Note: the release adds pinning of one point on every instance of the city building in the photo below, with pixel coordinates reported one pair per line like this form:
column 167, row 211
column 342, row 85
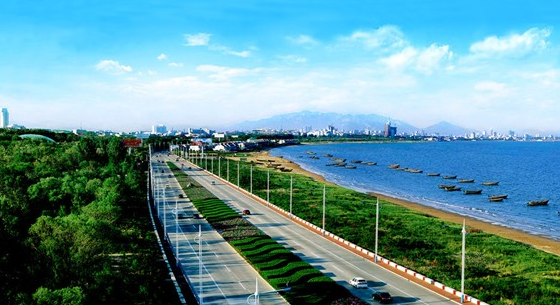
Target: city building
column 159, row 129
column 390, row 131
column 4, row 118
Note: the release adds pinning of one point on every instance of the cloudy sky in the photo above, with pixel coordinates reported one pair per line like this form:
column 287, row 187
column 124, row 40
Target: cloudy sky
column 126, row 65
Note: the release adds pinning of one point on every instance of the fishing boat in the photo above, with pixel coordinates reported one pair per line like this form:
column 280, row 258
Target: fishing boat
column 450, row 177
column 350, row 167
column 491, row 183
column 432, row 174
column 498, row 196
column 537, row 202
column 445, row 186
column 338, row 159
column 340, row 164
column 472, row 192
column 314, row 157
column 453, row 189
column 328, row 156
column 414, row 171
column 394, row 166
column 356, row 161
column 370, row 163
column 498, row 199
column 465, row 180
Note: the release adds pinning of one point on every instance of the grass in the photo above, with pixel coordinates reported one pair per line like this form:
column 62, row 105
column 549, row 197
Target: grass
column 498, row 270
column 276, row 264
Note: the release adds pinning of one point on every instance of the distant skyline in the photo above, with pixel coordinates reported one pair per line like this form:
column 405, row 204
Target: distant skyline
column 128, row 65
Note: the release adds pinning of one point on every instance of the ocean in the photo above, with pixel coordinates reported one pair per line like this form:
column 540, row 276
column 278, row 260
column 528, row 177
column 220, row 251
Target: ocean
column 526, row 171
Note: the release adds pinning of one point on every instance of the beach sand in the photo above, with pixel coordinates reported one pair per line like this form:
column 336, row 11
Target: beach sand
column 542, row 243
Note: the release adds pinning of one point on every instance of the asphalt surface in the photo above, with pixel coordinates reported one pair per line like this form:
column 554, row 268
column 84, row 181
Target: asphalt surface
column 224, row 277
column 331, row 259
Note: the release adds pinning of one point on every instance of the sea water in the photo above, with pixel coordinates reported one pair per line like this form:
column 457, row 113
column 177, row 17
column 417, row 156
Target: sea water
column 526, row 171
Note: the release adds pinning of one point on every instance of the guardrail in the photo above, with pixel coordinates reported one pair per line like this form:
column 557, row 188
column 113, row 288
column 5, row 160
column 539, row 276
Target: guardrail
column 348, row 245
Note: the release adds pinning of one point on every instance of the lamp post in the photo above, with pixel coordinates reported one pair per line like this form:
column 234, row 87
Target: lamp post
column 177, row 259
column 324, row 191
column 464, row 232
column 291, row 196
column 251, row 180
column 200, row 288
column 268, row 187
column 254, row 295
column 376, row 227
column 238, row 174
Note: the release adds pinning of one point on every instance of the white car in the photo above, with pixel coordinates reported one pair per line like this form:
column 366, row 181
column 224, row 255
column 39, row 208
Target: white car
column 358, row 282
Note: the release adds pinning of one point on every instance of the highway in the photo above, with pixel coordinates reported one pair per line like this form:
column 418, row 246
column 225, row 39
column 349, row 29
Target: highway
column 331, row 259
column 226, row 276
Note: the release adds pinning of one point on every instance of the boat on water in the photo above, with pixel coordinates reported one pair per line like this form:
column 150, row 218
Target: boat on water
column 394, row 166
column 414, row 171
column 432, row 174
column 338, row 159
column 340, row 164
column 314, row 157
column 328, row 156
column 453, row 189
column 370, row 163
column 495, row 199
column 498, row 196
column 465, row 180
column 491, row 183
column 356, row 161
column 450, row 177
column 472, row 192
column 537, row 202
column 445, row 186
column 350, row 167
column 310, row 152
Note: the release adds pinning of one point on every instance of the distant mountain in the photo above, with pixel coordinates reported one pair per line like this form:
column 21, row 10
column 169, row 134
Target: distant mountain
column 446, row 129
column 320, row 120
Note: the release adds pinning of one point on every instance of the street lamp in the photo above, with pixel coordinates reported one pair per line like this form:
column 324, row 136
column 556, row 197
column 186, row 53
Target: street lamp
column 291, row 189
column 268, row 187
column 464, row 232
column 324, row 191
column 200, row 289
column 376, row 227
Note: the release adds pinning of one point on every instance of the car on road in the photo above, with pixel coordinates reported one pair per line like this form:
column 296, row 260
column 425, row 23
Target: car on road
column 358, row 282
column 382, row 297
column 246, row 212
column 213, row 182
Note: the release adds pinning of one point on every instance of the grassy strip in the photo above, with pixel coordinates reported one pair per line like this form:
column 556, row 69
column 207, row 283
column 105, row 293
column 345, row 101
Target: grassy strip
column 498, row 270
column 275, row 263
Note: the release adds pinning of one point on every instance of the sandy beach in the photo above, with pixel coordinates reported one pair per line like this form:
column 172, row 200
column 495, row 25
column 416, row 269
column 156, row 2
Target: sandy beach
column 538, row 242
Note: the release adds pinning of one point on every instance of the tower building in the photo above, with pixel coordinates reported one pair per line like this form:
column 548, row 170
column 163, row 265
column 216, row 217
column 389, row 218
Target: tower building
column 4, row 118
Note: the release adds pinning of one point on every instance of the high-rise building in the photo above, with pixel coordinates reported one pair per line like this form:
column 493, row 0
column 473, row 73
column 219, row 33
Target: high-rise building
column 4, row 118
column 390, row 131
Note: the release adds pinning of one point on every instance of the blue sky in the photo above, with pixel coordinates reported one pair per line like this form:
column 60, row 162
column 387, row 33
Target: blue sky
column 126, row 65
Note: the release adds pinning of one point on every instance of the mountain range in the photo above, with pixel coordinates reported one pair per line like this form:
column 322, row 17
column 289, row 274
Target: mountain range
column 343, row 122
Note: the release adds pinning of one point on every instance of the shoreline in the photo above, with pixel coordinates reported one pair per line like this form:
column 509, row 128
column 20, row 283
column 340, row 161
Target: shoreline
column 538, row 242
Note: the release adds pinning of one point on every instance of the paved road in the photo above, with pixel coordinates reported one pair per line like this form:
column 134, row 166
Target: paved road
column 333, row 260
column 226, row 276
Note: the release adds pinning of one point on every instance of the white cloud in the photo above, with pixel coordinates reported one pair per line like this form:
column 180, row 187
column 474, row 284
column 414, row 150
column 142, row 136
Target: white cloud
column 293, row 59
column 162, row 57
column 425, row 61
column 224, row 73
column 431, row 58
column 243, row 54
column 493, row 88
column 200, row 39
column 113, row 67
column 532, row 40
column 384, row 37
column 302, row 40
column 175, row 64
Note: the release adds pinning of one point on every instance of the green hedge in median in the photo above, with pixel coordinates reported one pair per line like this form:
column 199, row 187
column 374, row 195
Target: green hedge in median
column 279, row 266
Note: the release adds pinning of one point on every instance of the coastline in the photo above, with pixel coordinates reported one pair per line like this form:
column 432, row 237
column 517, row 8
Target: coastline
column 538, row 242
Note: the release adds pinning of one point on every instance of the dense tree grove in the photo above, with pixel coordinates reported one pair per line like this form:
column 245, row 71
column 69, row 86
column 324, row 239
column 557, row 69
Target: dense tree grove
column 74, row 227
